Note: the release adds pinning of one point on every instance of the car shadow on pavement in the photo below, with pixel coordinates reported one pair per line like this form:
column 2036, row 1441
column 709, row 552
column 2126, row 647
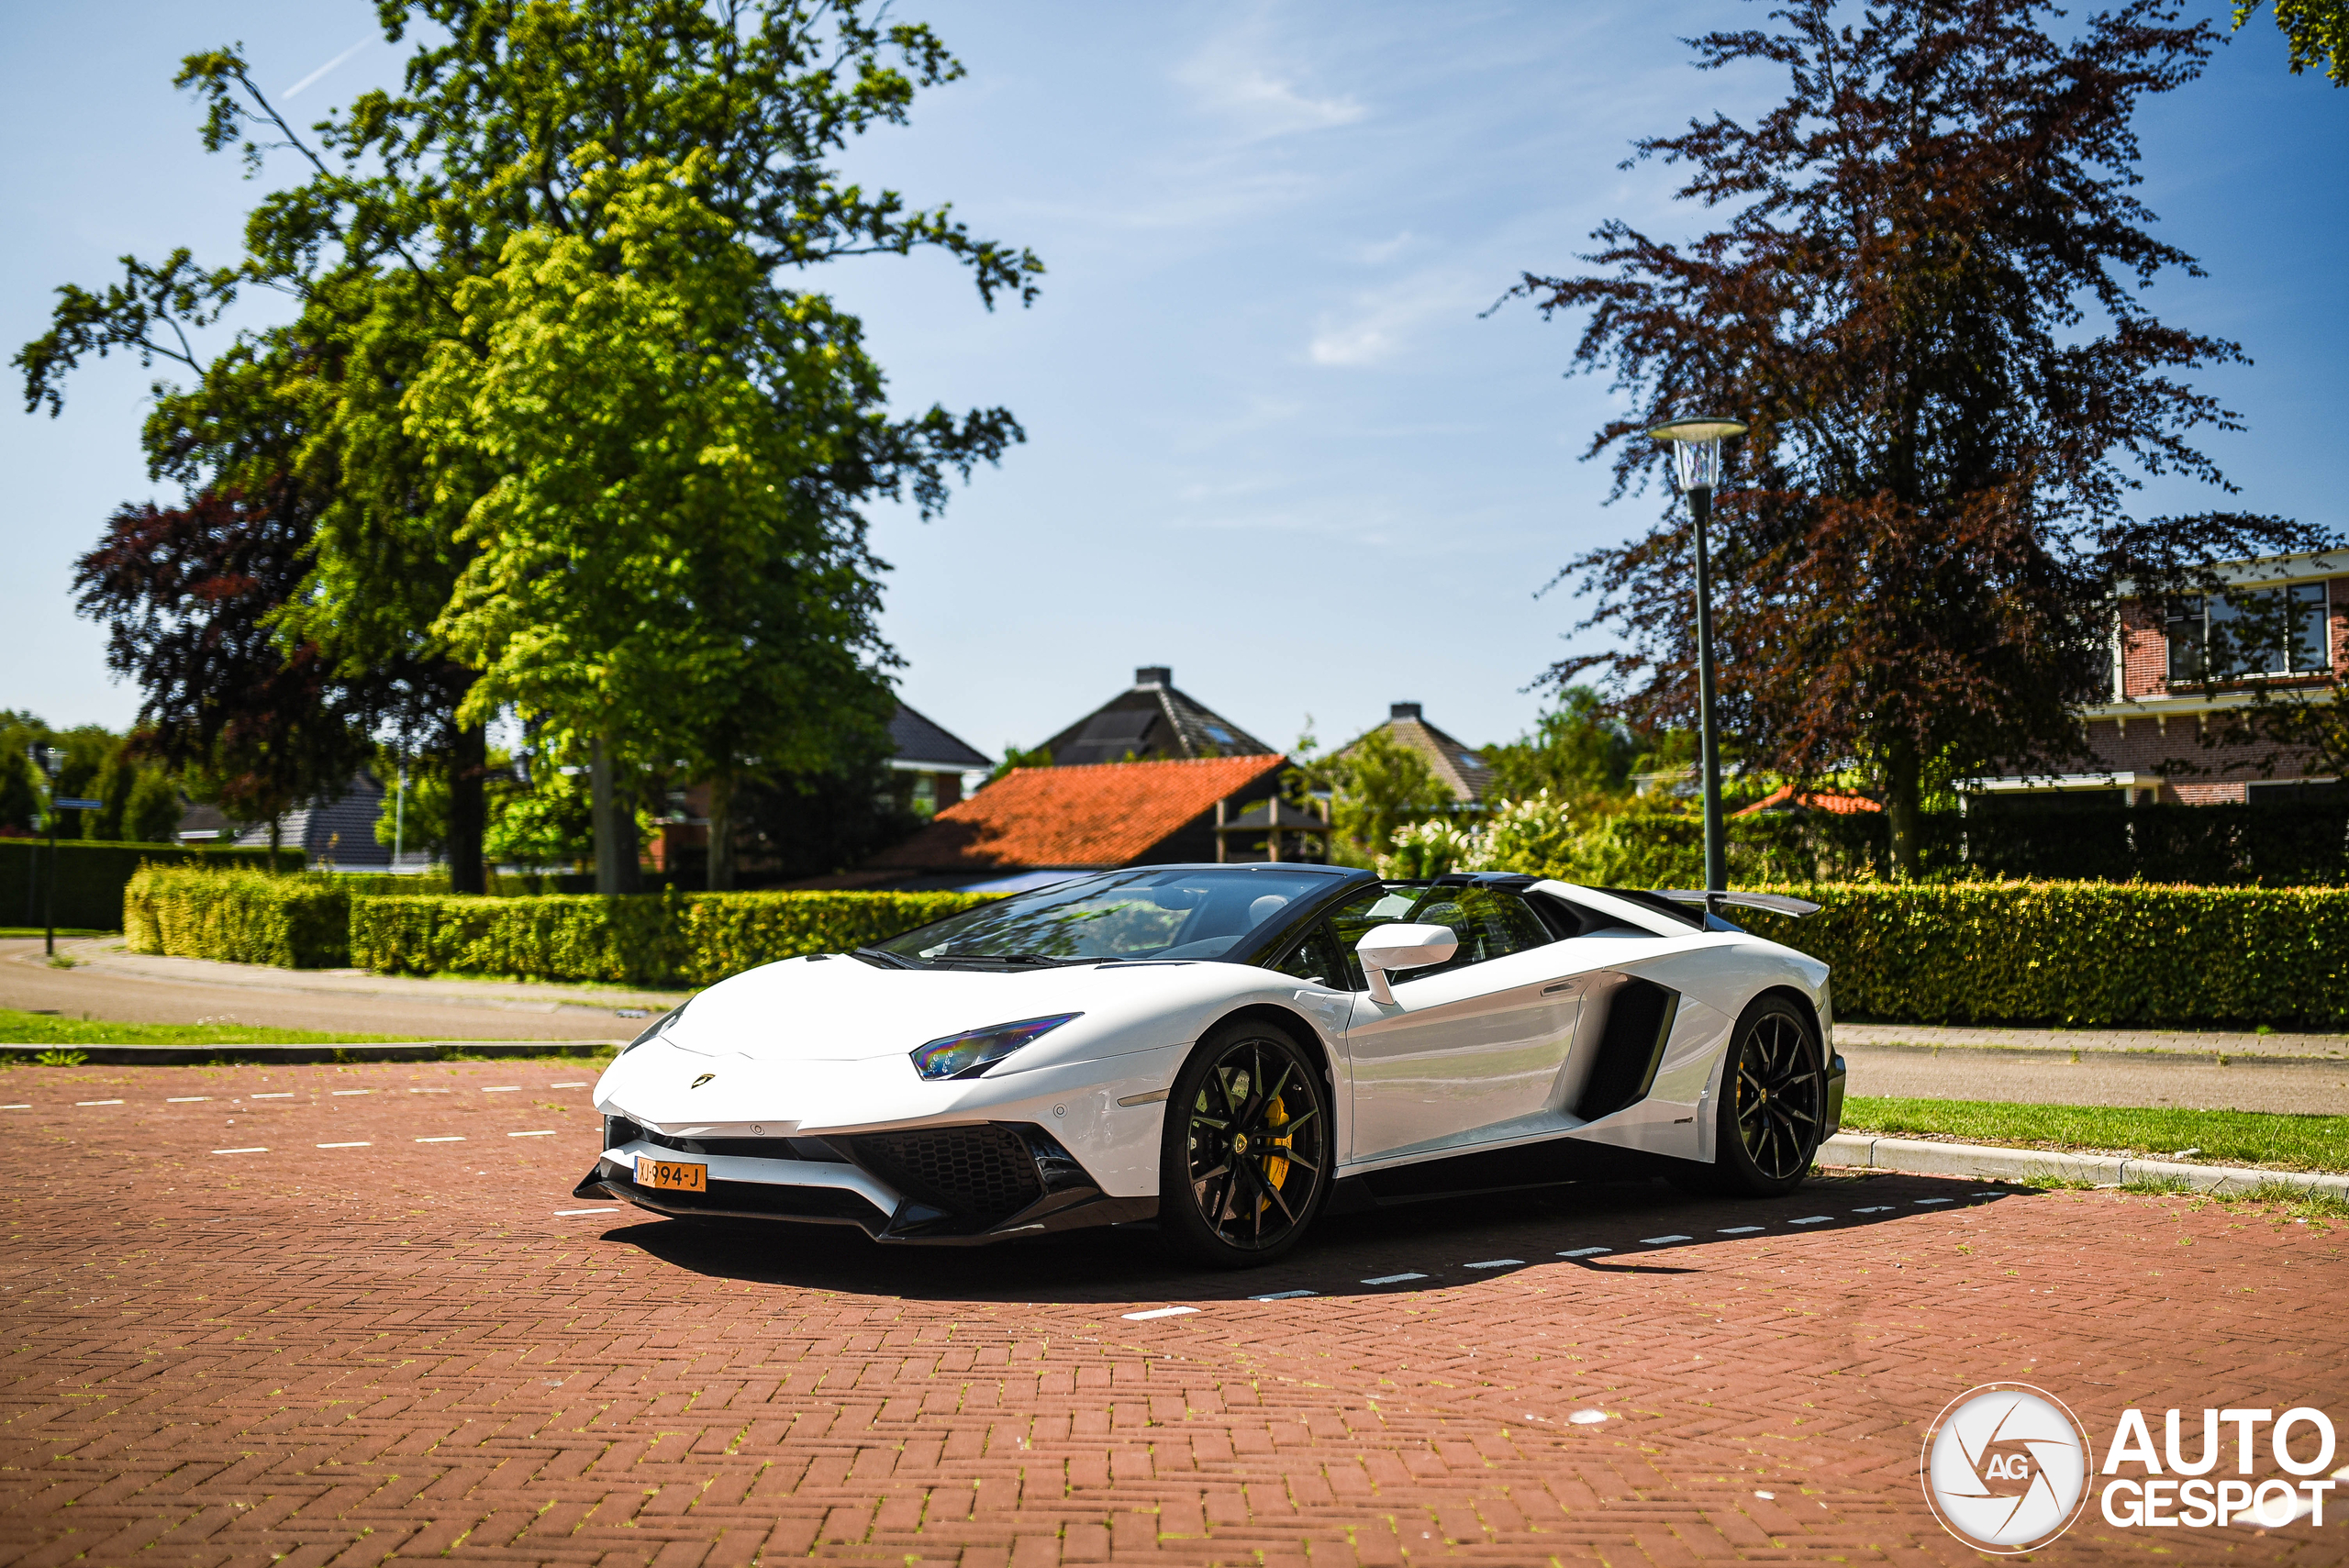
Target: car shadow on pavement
column 1609, row 1228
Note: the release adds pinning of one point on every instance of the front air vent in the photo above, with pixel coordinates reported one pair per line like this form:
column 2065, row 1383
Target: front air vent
column 982, row 1173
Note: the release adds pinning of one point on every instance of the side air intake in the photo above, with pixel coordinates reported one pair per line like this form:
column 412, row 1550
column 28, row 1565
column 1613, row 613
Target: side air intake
column 1637, row 1021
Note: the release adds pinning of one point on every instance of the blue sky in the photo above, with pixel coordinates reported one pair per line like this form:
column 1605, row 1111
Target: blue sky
column 1272, row 441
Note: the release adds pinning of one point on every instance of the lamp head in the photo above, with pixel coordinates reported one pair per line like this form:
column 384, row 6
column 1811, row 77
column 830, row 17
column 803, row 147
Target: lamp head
column 1696, row 448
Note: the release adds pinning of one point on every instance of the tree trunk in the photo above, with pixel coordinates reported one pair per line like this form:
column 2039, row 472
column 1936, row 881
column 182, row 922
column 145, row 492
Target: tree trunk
column 721, row 834
column 613, row 807
column 1903, row 795
column 468, row 808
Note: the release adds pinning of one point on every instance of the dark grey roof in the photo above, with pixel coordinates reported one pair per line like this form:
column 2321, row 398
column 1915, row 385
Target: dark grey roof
column 914, row 738
column 338, row 830
column 1151, row 721
column 1462, row 768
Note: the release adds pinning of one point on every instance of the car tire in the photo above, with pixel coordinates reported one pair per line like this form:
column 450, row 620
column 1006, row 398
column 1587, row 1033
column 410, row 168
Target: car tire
column 1247, row 1153
column 1772, row 1102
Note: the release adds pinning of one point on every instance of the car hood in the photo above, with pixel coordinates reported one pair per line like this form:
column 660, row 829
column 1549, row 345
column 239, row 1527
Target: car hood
column 844, row 1009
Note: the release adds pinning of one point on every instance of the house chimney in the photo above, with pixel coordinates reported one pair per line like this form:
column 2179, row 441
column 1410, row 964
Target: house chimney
column 1154, row 676
column 1402, row 710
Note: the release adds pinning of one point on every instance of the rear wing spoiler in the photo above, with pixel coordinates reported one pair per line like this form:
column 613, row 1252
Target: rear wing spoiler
column 1775, row 903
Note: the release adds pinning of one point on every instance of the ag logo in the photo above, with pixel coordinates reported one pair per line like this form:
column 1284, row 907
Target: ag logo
column 700, row 1081
column 2005, row 1467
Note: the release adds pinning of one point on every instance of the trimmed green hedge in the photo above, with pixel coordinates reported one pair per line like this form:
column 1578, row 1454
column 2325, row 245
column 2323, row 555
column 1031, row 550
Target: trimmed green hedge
column 92, row 873
column 2077, row 953
column 2070, row 952
column 241, row 916
column 670, row 938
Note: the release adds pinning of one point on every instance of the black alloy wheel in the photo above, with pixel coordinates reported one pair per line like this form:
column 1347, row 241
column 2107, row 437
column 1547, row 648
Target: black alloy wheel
column 1773, row 1101
column 1245, row 1161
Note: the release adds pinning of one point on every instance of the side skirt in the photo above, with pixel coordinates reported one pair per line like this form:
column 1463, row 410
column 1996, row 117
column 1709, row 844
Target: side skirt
column 1551, row 1162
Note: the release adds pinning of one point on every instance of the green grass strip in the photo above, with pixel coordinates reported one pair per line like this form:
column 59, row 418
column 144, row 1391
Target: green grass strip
column 40, row 1029
column 62, row 931
column 2219, row 1137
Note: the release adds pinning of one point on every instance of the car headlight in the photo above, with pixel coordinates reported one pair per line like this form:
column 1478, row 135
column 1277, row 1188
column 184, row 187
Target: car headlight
column 970, row 1054
column 658, row 1026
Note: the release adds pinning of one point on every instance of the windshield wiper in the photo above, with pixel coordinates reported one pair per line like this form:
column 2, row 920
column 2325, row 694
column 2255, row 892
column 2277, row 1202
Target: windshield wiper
column 1000, row 958
column 875, row 955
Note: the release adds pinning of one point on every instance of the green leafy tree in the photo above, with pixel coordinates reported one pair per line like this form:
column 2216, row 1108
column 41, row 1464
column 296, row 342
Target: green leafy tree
column 2317, row 32
column 502, row 118
column 672, row 563
column 1376, row 787
column 1578, row 751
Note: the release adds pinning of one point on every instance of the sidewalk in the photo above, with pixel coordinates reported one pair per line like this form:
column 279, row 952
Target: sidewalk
column 2185, row 1042
column 109, row 983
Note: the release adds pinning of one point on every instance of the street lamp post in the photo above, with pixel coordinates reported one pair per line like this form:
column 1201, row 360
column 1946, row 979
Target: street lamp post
column 1696, row 465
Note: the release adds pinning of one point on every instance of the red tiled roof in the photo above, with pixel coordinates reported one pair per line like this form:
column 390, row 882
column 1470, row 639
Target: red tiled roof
column 1106, row 813
column 1789, row 797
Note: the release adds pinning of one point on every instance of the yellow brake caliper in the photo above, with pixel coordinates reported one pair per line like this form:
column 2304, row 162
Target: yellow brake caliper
column 1276, row 1168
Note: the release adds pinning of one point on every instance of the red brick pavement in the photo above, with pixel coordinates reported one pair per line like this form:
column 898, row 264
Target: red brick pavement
column 347, row 1355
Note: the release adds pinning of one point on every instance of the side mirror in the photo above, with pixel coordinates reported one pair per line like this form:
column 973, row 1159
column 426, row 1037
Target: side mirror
column 1386, row 949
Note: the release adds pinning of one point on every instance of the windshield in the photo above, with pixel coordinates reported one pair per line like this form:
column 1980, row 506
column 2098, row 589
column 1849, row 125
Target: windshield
column 1201, row 912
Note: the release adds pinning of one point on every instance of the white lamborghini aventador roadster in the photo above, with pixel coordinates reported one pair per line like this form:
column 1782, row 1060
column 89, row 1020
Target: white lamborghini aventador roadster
column 1231, row 1051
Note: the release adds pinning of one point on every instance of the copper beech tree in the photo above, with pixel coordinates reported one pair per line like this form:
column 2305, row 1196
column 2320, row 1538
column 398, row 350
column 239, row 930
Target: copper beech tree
column 1923, row 296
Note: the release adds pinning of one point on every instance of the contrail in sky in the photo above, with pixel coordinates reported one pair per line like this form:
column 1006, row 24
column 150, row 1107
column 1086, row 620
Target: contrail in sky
column 329, row 65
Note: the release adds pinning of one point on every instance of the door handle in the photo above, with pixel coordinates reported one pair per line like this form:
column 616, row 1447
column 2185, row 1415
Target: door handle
column 1561, row 985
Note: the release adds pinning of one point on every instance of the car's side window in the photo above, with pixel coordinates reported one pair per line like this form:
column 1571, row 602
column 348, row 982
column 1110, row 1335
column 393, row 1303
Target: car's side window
column 1491, row 923
column 1377, row 906
column 1314, row 957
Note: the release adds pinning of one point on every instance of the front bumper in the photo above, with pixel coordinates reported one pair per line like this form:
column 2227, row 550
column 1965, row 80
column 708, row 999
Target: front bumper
column 951, row 1185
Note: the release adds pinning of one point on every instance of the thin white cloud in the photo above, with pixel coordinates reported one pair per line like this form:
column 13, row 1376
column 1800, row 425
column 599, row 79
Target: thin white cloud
column 1385, row 249
column 312, row 79
column 1382, row 321
column 1230, row 77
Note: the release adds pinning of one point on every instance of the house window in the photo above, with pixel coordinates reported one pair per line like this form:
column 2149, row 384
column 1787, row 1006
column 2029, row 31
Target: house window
column 2265, row 631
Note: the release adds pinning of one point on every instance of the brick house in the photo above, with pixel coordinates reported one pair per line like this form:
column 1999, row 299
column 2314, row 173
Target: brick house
column 1035, row 825
column 2159, row 707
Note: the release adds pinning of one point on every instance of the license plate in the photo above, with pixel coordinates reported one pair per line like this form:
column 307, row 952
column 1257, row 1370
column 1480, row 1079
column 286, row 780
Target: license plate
column 671, row 1175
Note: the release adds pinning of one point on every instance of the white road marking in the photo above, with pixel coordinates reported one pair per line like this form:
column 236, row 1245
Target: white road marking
column 569, row 1087
column 97, row 1102
column 1285, row 1296
column 346, row 1146
column 354, row 1091
column 1740, row 1230
column 1159, row 1312
column 23, row 1107
column 546, row 1132
column 186, row 1099
column 504, row 1089
column 240, row 1152
column 1767, row 1496
column 568, row 1213
column 1660, row 1241
column 1585, row 1251
column 1814, row 1219
column 1496, row 1264
column 1881, row 1208
column 287, row 1096
column 1927, row 1200
column 1392, row 1279
column 439, row 1140
column 1588, row 1418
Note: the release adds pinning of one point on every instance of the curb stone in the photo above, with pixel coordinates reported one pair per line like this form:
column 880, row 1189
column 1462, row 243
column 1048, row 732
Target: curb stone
column 1920, row 1158
column 299, row 1055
